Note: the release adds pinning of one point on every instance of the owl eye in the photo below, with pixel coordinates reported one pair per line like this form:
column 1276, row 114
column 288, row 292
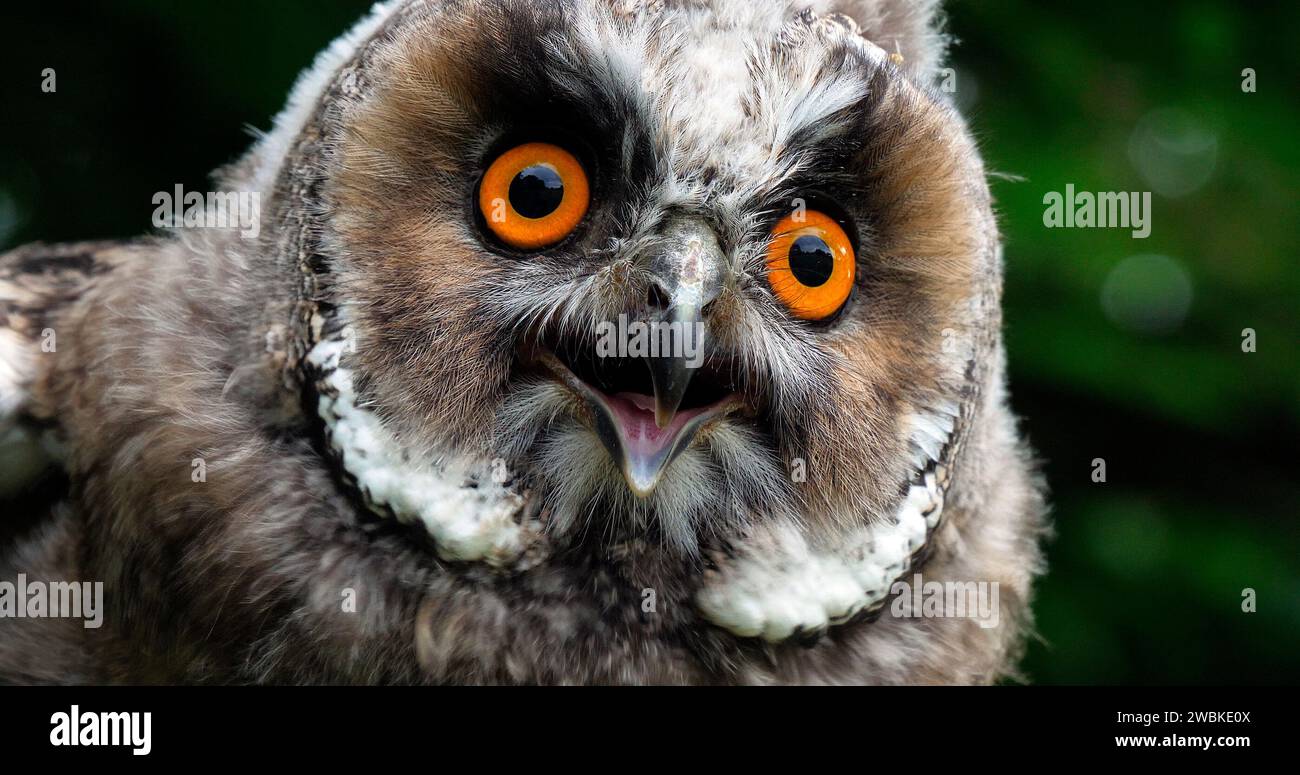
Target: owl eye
column 810, row 264
column 533, row 195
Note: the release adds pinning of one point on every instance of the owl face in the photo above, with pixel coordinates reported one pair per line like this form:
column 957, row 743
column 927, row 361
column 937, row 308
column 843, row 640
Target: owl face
column 517, row 182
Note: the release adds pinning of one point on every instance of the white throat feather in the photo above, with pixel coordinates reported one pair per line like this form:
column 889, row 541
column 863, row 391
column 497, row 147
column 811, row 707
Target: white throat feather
column 779, row 584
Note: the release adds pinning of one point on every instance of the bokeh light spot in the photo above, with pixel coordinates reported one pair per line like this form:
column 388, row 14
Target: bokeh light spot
column 1147, row 294
column 1173, row 151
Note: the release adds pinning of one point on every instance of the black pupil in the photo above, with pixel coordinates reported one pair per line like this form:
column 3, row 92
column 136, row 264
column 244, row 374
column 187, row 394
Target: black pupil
column 537, row 191
column 811, row 260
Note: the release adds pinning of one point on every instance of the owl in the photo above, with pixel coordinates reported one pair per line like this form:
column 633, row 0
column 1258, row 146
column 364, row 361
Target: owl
column 588, row 341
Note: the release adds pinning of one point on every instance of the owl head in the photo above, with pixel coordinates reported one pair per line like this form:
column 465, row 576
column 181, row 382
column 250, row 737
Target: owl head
column 717, row 276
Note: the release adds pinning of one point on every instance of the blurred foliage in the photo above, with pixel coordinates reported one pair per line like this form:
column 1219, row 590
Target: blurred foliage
column 1200, row 439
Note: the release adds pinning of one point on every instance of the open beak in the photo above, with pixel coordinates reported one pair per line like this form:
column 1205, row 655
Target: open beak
column 625, row 424
column 645, row 431
column 686, row 277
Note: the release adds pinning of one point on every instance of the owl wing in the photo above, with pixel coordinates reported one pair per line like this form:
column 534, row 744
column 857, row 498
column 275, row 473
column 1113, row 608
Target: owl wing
column 39, row 283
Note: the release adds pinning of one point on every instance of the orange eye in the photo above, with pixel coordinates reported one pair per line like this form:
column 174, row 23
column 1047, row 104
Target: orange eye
column 810, row 264
column 534, row 195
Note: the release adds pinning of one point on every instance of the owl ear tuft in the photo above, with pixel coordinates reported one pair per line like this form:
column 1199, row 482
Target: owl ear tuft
column 910, row 29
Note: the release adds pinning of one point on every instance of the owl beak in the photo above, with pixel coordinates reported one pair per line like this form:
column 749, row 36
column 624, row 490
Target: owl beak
column 670, row 375
column 644, row 434
column 643, row 453
column 626, row 426
column 685, row 278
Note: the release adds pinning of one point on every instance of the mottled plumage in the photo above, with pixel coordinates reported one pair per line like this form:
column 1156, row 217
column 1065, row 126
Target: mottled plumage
column 377, row 395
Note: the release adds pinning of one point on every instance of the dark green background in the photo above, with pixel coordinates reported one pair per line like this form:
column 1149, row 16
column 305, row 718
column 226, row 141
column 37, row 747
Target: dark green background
column 1200, row 439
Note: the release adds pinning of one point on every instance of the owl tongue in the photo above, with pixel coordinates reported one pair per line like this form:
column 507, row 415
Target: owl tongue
column 646, row 449
column 635, row 414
